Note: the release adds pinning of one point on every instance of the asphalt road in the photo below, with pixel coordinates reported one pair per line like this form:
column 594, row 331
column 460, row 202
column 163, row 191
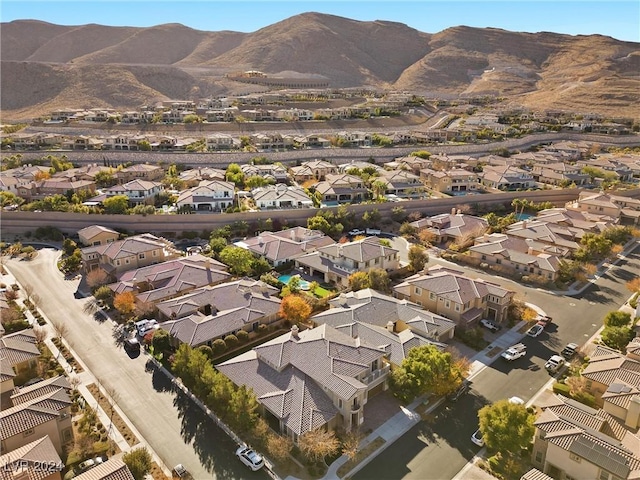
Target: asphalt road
column 440, row 448
column 175, row 428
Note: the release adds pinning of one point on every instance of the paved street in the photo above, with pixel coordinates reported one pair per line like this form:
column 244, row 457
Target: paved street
column 176, row 429
column 441, row 448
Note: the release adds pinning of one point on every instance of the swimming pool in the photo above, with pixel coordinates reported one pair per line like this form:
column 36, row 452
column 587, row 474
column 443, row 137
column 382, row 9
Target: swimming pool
column 304, row 285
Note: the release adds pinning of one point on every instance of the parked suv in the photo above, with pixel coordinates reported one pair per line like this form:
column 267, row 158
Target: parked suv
column 514, row 352
column 555, row 363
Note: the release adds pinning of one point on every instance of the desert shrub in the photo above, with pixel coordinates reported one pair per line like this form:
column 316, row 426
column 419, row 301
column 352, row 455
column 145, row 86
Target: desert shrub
column 218, row 346
column 231, row 341
column 243, row 336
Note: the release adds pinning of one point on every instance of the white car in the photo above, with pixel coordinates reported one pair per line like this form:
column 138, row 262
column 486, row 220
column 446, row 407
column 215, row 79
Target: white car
column 180, row 470
column 514, row 352
column 477, row 438
column 355, row 232
column 490, row 325
column 250, row 458
column 554, row 363
column 535, row 330
column 516, row 401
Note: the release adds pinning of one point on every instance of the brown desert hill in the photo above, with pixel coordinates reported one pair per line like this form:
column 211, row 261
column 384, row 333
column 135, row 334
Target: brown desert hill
column 349, row 52
column 47, row 66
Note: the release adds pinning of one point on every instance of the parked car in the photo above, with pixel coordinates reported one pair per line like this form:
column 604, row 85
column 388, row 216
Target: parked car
column 477, row 438
column 535, row 330
column 132, row 345
column 544, row 320
column 461, row 390
column 356, row 232
column 514, row 352
column 555, row 363
column 516, row 401
column 86, row 465
column 569, row 351
column 490, row 325
column 180, row 470
column 250, row 458
column 145, row 326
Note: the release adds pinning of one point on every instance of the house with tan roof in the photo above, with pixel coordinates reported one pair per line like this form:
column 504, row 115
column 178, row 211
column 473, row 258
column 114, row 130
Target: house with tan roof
column 575, row 441
column 456, row 180
column 547, row 232
column 370, row 307
column 626, row 209
column 401, row 183
column 452, row 227
column 606, row 367
column 506, row 178
column 336, row 262
column 112, row 469
column 137, row 191
column 97, row 235
column 155, row 283
column 208, row 196
column 341, row 188
column 222, row 141
column 26, row 462
column 274, row 171
column 194, row 176
column 128, row 254
column 54, row 186
column 313, row 170
column 313, row 379
column 519, row 256
column 560, row 174
column 284, row 246
column 140, row 171
column 451, row 294
column 18, row 354
column 48, row 414
column 208, row 313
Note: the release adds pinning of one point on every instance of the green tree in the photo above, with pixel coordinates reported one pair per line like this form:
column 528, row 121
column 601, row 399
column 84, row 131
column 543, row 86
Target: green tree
column 139, row 462
column 379, row 279
column 617, row 318
column 426, row 369
column 260, row 266
column 418, row 257
column 217, row 244
column 359, row 281
column 319, row 223
column 103, row 293
column 235, row 175
column 105, row 179
column 238, row 259
column 617, row 337
column 69, row 246
column 317, row 444
column 371, row 217
column 243, row 408
column 116, row 205
column 161, row 341
column 506, row 427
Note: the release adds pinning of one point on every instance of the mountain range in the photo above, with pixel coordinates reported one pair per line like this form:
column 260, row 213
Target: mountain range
column 46, row 66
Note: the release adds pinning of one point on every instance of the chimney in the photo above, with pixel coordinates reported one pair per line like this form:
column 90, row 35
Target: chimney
column 458, row 212
column 530, row 251
column 453, row 210
column 524, row 224
column 633, row 413
column 292, row 233
column 390, row 326
column 207, row 264
column 342, row 300
column 295, row 331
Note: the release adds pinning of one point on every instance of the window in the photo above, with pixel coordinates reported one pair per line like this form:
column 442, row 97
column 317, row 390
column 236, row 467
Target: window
column 418, row 291
column 432, row 296
column 155, row 253
column 117, row 263
column 484, row 257
column 538, row 456
column 126, row 261
column 28, row 432
column 447, row 304
column 498, row 261
column 575, row 458
column 457, row 307
column 141, row 256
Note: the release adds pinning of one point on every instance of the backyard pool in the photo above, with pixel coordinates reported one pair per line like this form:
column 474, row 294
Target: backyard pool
column 304, row 285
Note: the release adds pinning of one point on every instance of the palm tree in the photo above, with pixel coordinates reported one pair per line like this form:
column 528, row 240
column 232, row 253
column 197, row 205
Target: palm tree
column 378, row 187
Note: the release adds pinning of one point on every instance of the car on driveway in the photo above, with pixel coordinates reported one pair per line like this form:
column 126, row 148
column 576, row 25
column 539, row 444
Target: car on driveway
column 535, row 330
column 477, row 438
column 555, row 363
column 488, row 324
column 569, row 351
column 250, row 458
column 180, row 470
column 86, row 465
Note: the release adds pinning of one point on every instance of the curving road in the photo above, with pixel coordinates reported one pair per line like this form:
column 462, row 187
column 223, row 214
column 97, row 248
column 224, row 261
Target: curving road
column 174, row 427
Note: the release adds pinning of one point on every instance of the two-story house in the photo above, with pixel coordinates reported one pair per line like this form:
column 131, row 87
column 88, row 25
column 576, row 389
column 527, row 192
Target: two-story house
column 449, row 293
column 274, row 171
column 208, row 196
column 626, row 209
column 137, row 191
column 314, row 170
column 140, row 171
column 281, row 196
column 97, row 235
column 456, row 180
column 128, row 254
column 26, row 462
column 401, row 183
column 313, row 379
column 194, row 176
column 341, row 188
column 506, row 178
column 452, row 227
column 335, row 263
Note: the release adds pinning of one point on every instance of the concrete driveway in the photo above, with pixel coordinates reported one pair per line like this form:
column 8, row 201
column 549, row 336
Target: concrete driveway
column 173, row 426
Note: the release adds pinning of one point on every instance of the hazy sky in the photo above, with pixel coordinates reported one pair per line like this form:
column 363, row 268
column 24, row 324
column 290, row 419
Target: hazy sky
column 618, row 19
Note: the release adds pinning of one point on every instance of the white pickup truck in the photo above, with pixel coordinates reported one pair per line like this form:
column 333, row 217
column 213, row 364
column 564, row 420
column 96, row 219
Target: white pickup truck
column 514, row 352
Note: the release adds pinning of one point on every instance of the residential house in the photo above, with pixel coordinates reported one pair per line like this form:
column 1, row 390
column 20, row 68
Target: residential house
column 27, row 462
column 194, row 176
column 154, row 283
column 506, row 178
column 208, row 196
column 359, row 165
column 383, row 311
column 46, row 415
column 561, row 174
column 270, row 141
column 626, row 209
column 87, row 173
column 112, row 469
column 575, row 441
column 208, row 313
column 517, row 255
column 341, row 188
column 312, row 141
column 97, row 235
column 410, row 163
column 128, row 254
column 140, row 171
column 137, row 191
column 273, row 171
column 221, row 141
column 284, row 246
column 607, row 367
column 401, row 183
column 223, row 114
column 449, row 293
column 335, row 263
column 354, row 139
column 314, row 170
column 54, row 186
column 456, row 180
column 454, row 227
column 18, row 350
column 313, row 379
column 281, row 196
column 547, row 232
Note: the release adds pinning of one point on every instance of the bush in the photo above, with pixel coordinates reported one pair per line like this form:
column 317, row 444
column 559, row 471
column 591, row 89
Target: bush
column 243, row 336
column 231, row 341
column 218, row 346
column 562, row 389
